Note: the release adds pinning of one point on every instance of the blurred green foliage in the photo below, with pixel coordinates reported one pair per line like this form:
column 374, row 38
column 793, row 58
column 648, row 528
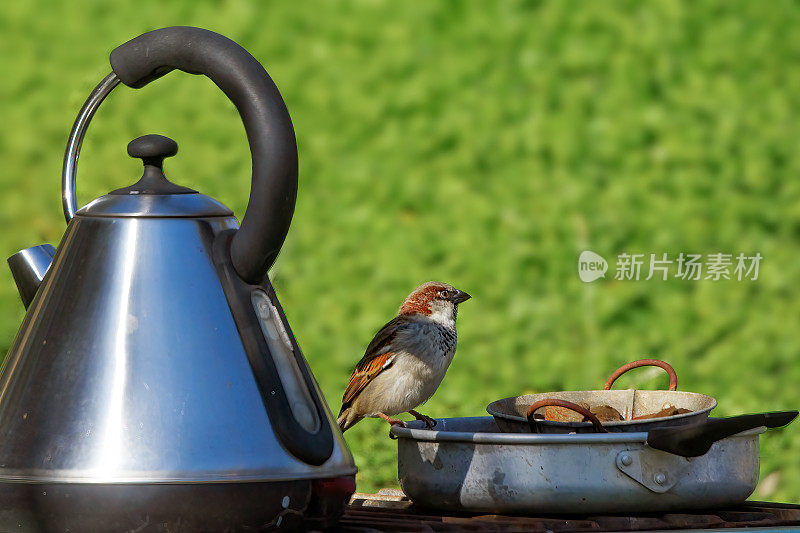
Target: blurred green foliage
column 480, row 143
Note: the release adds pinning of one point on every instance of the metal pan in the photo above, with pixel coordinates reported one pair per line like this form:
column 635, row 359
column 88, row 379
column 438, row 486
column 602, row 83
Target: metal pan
column 510, row 413
column 466, row 465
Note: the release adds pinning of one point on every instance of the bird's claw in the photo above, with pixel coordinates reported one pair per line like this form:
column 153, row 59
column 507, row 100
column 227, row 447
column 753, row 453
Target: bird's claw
column 396, row 422
column 392, row 421
column 430, row 423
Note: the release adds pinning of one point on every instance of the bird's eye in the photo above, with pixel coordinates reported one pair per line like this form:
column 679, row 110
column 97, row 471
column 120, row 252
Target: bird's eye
column 443, row 294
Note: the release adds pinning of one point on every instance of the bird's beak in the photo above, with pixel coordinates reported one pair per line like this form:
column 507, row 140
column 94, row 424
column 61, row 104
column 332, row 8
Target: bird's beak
column 460, row 296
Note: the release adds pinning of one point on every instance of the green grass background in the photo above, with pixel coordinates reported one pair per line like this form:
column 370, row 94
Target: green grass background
column 481, row 143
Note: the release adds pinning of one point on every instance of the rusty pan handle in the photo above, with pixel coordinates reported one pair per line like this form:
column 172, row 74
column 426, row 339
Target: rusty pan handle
column 554, row 402
column 673, row 377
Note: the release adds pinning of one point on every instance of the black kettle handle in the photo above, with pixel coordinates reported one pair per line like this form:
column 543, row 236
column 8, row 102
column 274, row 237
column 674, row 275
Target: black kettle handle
column 273, row 148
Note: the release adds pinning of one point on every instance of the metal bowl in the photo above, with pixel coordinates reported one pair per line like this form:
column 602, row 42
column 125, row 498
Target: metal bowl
column 510, row 413
column 465, row 464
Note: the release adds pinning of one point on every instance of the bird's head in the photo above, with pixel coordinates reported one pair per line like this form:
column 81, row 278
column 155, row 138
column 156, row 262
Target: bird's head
column 436, row 301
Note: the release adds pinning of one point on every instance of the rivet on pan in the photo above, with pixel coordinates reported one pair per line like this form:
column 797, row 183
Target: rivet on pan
column 626, row 460
column 660, row 478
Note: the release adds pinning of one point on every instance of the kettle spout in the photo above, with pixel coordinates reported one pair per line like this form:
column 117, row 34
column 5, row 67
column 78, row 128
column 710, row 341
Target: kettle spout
column 28, row 267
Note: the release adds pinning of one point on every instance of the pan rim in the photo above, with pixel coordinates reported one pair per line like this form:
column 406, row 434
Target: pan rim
column 417, row 432
column 493, row 410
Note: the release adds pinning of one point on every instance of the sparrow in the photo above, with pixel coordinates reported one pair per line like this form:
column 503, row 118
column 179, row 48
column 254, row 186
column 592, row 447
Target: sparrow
column 406, row 360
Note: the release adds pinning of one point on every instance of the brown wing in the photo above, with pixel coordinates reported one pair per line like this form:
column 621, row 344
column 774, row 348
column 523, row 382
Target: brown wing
column 376, row 359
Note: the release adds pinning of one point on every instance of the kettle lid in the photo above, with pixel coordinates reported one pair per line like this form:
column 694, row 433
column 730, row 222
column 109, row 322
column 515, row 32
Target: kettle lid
column 154, row 195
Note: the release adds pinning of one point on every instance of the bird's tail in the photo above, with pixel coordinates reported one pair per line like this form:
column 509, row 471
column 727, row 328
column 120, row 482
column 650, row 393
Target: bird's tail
column 347, row 419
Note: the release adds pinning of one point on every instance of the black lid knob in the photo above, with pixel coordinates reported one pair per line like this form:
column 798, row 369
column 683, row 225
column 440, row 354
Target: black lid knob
column 152, row 149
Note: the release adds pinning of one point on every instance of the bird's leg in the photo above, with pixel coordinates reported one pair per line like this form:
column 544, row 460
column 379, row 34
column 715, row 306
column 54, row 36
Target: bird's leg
column 430, row 422
column 392, row 421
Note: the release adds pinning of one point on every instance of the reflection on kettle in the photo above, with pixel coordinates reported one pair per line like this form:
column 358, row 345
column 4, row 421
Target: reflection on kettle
column 154, row 376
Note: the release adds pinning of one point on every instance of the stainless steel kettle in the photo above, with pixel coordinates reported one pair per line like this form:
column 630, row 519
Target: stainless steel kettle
column 155, row 379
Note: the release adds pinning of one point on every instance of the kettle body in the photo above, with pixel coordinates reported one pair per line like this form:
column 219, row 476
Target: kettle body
column 155, row 377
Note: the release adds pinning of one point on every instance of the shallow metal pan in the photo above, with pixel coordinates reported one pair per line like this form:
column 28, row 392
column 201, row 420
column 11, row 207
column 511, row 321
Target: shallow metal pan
column 511, row 413
column 466, row 464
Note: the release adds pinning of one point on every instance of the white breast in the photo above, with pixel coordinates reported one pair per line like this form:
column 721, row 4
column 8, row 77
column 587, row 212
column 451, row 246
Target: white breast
column 422, row 356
